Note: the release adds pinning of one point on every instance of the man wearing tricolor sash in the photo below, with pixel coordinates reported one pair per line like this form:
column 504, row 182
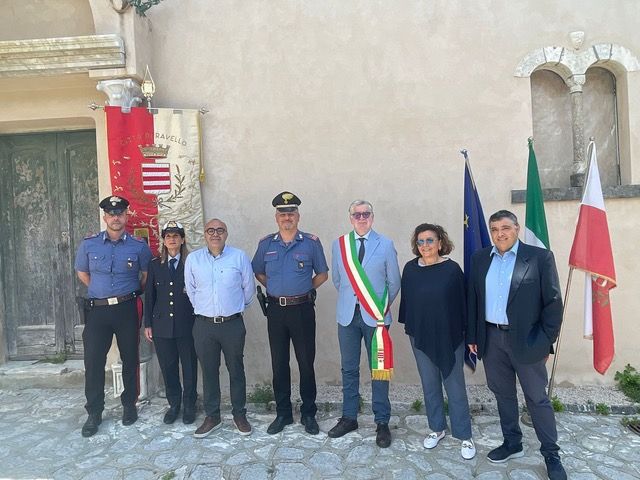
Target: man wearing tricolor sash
column 367, row 277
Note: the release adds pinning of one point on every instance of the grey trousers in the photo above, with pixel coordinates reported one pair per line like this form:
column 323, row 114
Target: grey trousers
column 501, row 369
column 210, row 339
column 432, row 381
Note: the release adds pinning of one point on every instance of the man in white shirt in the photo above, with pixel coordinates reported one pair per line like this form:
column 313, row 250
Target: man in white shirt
column 219, row 283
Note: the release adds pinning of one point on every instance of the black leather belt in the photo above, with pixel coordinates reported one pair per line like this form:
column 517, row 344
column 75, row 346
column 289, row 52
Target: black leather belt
column 293, row 300
column 499, row 327
column 220, row 319
column 101, row 302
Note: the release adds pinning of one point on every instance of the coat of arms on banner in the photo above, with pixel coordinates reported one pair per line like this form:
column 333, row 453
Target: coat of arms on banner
column 156, row 178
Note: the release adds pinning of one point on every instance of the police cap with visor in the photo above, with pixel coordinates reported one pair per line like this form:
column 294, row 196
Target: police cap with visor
column 114, row 204
column 286, row 202
column 172, row 227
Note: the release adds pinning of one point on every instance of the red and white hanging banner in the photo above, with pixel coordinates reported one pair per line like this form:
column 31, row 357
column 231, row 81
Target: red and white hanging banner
column 154, row 162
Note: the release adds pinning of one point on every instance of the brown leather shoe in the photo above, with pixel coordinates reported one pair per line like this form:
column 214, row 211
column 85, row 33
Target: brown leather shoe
column 209, row 425
column 242, row 425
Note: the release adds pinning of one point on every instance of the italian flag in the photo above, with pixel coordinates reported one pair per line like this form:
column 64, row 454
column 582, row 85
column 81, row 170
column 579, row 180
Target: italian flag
column 535, row 225
column 591, row 252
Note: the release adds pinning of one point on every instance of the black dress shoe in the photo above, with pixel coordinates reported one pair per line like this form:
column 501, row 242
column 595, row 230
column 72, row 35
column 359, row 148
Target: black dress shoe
column 278, row 424
column 555, row 470
column 90, row 427
column 189, row 415
column 344, row 426
column 505, row 452
column 310, row 425
column 129, row 415
column 171, row 415
column 383, row 435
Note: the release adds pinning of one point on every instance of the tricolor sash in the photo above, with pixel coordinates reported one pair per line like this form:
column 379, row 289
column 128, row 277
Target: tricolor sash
column 381, row 347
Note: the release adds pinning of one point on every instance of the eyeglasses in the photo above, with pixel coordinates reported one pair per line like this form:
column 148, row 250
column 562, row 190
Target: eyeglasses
column 359, row 215
column 219, row 231
column 427, row 241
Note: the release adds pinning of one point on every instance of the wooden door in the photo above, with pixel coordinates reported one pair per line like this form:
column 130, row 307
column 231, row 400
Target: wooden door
column 48, row 198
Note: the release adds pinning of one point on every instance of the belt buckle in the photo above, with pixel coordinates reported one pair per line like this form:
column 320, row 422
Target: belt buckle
column 282, row 301
column 218, row 319
column 112, row 300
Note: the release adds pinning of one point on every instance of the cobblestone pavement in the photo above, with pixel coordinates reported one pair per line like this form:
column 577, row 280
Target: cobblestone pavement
column 40, row 438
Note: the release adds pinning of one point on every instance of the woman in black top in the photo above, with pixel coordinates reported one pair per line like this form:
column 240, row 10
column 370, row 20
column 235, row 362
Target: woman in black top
column 432, row 309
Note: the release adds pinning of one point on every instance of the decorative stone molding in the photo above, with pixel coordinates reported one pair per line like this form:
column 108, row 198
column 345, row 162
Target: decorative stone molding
column 575, row 193
column 577, row 39
column 566, row 62
column 123, row 92
column 575, row 83
column 54, row 56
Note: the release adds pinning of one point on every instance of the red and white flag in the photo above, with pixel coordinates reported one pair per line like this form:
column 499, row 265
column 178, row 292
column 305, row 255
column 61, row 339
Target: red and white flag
column 591, row 252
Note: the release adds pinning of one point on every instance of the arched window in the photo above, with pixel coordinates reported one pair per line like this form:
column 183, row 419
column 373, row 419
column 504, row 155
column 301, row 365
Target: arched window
column 578, row 93
column 601, row 121
column 553, row 121
column 551, row 111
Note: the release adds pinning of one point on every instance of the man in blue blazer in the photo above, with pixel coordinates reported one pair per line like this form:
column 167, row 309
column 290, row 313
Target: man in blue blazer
column 377, row 257
column 514, row 317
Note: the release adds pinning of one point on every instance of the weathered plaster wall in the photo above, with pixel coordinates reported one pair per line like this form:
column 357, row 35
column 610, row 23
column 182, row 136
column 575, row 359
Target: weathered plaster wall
column 338, row 100
column 22, row 20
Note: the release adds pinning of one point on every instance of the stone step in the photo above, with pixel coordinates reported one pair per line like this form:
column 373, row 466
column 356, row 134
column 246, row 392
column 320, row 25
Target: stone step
column 19, row 374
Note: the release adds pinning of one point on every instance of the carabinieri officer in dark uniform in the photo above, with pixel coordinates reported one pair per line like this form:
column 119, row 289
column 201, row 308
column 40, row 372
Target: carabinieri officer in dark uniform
column 291, row 265
column 168, row 322
column 113, row 264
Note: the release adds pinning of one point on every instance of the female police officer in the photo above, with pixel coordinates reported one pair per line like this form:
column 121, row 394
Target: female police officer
column 168, row 322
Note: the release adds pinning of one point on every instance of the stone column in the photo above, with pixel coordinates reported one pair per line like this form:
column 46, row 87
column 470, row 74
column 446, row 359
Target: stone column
column 575, row 84
column 126, row 93
column 122, row 92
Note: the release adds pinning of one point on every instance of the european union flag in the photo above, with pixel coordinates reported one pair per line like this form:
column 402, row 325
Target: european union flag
column 476, row 235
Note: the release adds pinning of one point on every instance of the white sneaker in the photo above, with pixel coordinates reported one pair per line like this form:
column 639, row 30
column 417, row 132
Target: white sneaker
column 468, row 449
column 433, row 438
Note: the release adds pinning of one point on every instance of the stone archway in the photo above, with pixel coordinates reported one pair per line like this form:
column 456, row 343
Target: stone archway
column 572, row 64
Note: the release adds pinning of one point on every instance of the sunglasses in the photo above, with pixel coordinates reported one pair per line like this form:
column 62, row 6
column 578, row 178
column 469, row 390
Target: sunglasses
column 359, row 215
column 219, row 231
column 427, row 241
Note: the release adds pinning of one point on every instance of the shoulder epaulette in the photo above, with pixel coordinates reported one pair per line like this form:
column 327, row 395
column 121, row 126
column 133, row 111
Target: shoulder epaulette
column 311, row 236
column 138, row 239
column 93, row 235
column 271, row 235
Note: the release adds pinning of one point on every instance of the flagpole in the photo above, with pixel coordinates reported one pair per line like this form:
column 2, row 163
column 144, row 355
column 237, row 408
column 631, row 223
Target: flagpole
column 557, row 350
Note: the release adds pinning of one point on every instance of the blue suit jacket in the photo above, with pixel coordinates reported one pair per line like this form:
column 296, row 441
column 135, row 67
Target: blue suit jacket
column 381, row 266
column 534, row 306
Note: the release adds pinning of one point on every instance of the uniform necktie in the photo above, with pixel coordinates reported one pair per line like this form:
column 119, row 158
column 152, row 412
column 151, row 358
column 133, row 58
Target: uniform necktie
column 172, row 265
column 361, row 252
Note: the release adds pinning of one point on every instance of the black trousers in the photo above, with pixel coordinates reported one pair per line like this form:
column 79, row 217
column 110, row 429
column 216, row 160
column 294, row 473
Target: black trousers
column 501, row 369
column 210, row 339
column 173, row 352
column 294, row 324
column 100, row 326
